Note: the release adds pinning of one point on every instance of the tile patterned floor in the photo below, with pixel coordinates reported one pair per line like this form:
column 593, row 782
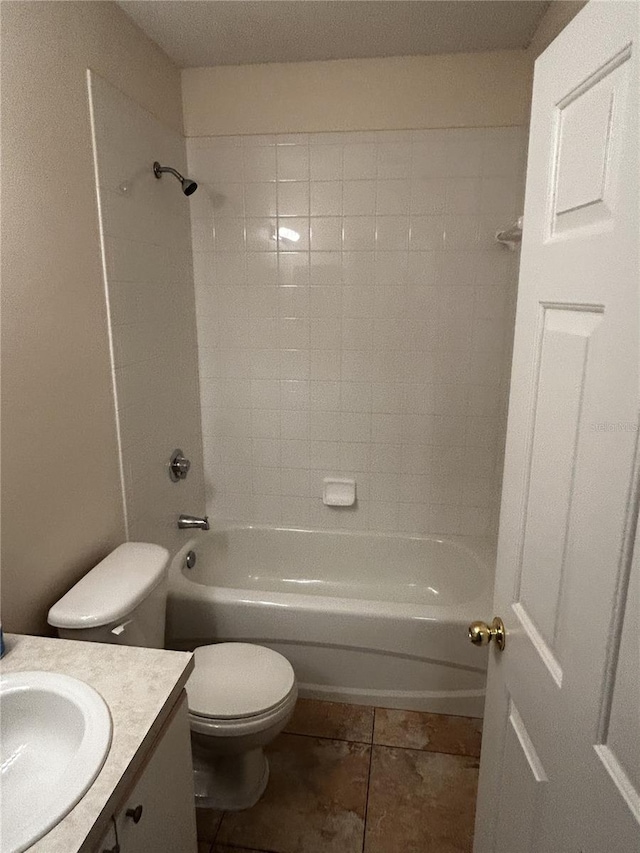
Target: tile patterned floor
column 354, row 779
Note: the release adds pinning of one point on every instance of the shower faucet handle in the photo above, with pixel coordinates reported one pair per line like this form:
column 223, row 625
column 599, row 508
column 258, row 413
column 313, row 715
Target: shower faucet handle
column 178, row 466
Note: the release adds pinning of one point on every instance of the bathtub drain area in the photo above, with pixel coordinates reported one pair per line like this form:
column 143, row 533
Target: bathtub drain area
column 357, row 779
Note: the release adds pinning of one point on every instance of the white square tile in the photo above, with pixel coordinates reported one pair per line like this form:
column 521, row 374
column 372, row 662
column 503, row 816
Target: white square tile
column 294, row 394
column 386, row 397
column 357, row 366
column 386, row 428
column 265, row 394
column 325, row 162
column 357, row 333
column 355, row 397
column 324, row 396
column 229, row 269
column 260, row 199
column 293, row 162
column 359, row 233
column 394, row 160
column 293, row 268
column 464, row 152
column 428, row 196
column 294, row 481
column 392, row 233
column 326, row 234
column 293, row 301
column 260, row 163
column 227, row 200
column 267, row 509
column 293, row 333
column 293, row 198
column 354, row 456
column 460, row 232
column 294, row 364
column 325, row 267
column 293, row 234
column 499, row 195
column 358, row 268
column 357, row 302
column 393, row 197
column 296, row 513
column 422, row 268
column 359, row 198
column 383, row 516
column 324, row 301
column 202, row 235
column 265, row 452
column 261, row 235
column 427, row 233
column 503, row 151
column 265, row 364
column 359, row 161
column 265, row 423
column 261, row 301
column 266, row 481
column 324, row 426
column 385, row 458
column 325, row 333
column 355, row 426
column 294, row 424
column 323, row 454
column 262, row 268
column 324, row 365
column 326, row 198
column 261, row 333
column 463, row 195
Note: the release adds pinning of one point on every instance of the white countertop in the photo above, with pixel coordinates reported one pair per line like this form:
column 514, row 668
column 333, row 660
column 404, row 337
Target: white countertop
column 140, row 686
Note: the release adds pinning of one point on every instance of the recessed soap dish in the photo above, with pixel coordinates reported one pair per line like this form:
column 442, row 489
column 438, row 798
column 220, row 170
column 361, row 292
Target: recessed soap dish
column 339, row 491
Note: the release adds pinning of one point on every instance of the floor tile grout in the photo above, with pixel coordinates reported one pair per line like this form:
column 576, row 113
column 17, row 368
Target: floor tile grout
column 378, row 743
column 431, row 751
column 328, row 737
column 366, row 801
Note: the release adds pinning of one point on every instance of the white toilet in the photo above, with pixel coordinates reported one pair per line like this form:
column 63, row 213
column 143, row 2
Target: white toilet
column 240, row 695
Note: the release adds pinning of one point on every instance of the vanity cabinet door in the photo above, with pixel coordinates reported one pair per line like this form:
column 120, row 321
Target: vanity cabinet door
column 158, row 815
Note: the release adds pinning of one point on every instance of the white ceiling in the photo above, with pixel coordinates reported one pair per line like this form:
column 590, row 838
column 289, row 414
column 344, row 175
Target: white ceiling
column 232, row 32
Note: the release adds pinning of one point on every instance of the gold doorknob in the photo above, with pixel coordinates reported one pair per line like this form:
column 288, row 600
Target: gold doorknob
column 481, row 634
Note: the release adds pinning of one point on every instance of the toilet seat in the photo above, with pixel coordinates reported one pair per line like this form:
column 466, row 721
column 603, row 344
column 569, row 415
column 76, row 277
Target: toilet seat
column 239, row 688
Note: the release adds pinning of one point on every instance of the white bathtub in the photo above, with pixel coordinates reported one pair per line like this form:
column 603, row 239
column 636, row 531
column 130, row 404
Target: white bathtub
column 363, row 617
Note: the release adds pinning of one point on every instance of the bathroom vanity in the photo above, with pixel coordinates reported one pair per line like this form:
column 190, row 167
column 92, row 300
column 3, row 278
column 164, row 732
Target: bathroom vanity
column 142, row 799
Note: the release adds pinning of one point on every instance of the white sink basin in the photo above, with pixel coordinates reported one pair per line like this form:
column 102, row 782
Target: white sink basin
column 55, row 735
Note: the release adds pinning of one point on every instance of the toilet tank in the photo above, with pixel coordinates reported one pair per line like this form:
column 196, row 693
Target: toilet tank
column 121, row 600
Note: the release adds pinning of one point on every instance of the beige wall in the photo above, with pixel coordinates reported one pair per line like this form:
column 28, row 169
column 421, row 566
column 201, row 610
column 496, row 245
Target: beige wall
column 450, row 90
column 61, row 497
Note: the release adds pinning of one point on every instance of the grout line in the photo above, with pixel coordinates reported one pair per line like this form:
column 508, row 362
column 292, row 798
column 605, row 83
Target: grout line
column 387, row 745
column 328, row 737
column 366, row 802
column 217, row 832
column 427, row 751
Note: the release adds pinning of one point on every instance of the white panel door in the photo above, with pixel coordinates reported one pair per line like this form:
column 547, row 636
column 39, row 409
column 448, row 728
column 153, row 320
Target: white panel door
column 560, row 766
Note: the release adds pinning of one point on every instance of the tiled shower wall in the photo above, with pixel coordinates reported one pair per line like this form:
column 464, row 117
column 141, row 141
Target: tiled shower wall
column 355, row 318
column 148, row 269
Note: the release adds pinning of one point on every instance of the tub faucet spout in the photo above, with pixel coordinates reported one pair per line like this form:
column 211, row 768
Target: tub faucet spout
column 193, row 522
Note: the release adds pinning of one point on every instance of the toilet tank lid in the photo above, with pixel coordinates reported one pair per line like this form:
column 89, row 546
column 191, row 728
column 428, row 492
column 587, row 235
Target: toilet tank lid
column 113, row 588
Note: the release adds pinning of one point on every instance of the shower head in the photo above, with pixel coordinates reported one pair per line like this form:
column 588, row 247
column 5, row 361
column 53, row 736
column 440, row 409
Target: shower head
column 188, row 186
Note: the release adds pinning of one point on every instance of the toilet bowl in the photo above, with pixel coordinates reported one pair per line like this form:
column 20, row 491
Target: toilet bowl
column 240, row 695
column 233, row 717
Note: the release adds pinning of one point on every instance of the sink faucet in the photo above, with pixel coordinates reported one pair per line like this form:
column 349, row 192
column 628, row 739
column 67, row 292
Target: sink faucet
column 193, row 522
